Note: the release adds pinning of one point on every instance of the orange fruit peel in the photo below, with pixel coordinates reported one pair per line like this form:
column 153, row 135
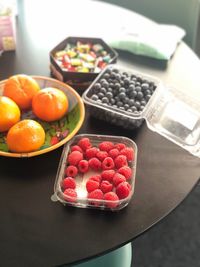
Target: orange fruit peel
column 9, row 113
column 50, row 104
column 21, row 88
column 25, row 136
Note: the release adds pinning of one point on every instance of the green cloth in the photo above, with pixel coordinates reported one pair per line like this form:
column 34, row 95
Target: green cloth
column 157, row 40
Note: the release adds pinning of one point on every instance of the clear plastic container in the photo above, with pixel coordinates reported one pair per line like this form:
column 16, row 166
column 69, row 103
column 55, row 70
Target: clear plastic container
column 83, row 199
column 170, row 112
column 114, row 113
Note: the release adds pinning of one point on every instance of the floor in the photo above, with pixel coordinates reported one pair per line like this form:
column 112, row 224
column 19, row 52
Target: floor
column 175, row 241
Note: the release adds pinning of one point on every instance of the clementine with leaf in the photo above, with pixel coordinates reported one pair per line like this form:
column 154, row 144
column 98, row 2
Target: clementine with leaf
column 50, row 104
column 21, row 88
column 9, row 113
column 25, row 136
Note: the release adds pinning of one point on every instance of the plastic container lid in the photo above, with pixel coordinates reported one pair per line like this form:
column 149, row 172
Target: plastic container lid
column 176, row 116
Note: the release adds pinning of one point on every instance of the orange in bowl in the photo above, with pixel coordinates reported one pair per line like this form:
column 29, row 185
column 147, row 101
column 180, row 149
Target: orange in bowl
column 50, row 104
column 25, row 136
column 9, row 113
column 21, row 88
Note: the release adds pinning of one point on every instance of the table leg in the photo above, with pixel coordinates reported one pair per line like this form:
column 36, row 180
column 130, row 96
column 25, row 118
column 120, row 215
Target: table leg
column 120, row 257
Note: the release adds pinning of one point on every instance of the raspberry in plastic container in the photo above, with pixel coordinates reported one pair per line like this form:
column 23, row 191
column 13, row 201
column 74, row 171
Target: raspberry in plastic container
column 108, row 185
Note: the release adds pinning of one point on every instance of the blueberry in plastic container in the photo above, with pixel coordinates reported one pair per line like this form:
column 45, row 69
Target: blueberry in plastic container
column 120, row 96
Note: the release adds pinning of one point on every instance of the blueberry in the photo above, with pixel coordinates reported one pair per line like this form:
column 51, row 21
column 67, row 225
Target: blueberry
column 95, row 97
column 105, row 84
column 126, row 106
column 119, row 104
column 109, row 95
column 106, row 76
column 147, row 97
column 133, row 109
column 103, row 90
column 137, row 104
column 117, row 86
column 145, row 86
column 139, row 95
column 122, row 90
column 100, row 95
column 105, row 100
column 138, row 88
column 122, row 95
column 118, row 76
column 132, row 94
column 97, row 87
column 131, row 102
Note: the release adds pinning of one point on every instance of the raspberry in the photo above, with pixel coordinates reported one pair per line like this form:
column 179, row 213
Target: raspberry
column 128, row 152
column 126, row 171
column 70, row 195
column 108, row 164
column 74, row 157
column 91, row 185
column 68, row 182
column 106, row 146
column 76, row 148
column 96, row 177
column 111, row 200
column 101, row 155
column 119, row 146
column 106, row 186
column 113, row 153
column 91, row 152
column 94, row 164
column 118, row 178
column 83, row 166
column 84, row 143
column 71, row 171
column 96, row 195
column 120, row 161
column 108, row 175
column 123, row 190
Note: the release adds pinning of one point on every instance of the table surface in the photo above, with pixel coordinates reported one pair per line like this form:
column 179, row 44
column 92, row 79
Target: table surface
column 35, row 229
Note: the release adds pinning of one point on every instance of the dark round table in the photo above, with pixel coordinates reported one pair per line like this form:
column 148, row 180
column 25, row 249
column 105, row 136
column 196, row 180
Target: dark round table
column 34, row 231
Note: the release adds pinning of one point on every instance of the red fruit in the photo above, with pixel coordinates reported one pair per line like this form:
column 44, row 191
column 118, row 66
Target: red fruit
column 91, row 185
column 118, row 178
column 111, row 200
column 106, row 146
column 120, row 146
column 68, row 182
column 70, row 195
column 128, row 152
column 106, row 186
column 126, row 171
column 94, row 164
column 71, row 171
column 91, row 152
column 113, row 153
column 96, row 178
column 83, row 166
column 123, row 190
column 96, row 195
column 84, row 143
column 108, row 175
column 74, row 157
column 120, row 161
column 76, row 148
column 101, row 155
column 108, row 164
